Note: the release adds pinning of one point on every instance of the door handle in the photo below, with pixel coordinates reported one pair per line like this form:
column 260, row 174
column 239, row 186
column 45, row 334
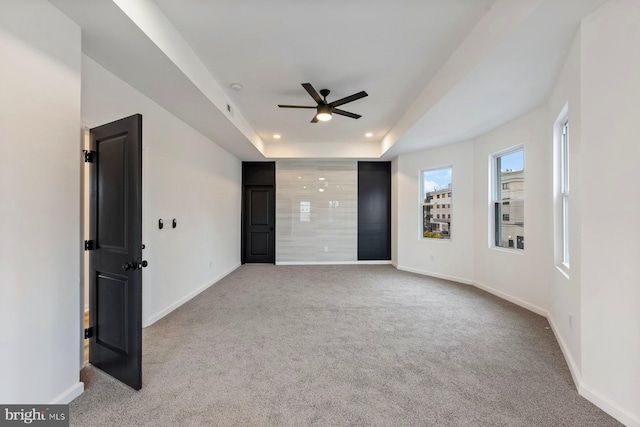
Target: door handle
column 134, row 265
column 129, row 266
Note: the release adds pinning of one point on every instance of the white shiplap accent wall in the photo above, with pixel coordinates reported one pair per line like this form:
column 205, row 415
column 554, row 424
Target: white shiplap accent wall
column 328, row 232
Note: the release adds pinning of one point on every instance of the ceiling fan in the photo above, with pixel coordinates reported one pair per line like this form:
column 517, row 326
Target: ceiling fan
column 326, row 109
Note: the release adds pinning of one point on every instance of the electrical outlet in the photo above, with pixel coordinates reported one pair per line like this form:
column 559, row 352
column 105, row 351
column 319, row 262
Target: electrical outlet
column 326, row 248
column 432, row 257
column 210, row 264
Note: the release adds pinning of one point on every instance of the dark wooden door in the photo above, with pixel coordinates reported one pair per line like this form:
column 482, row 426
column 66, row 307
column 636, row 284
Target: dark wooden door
column 115, row 278
column 259, row 220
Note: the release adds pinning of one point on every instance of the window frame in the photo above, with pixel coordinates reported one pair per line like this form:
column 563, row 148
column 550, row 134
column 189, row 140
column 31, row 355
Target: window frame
column 564, row 192
column 495, row 188
column 561, row 193
column 422, row 203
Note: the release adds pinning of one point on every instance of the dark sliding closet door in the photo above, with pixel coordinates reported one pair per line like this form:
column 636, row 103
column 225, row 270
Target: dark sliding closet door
column 374, row 211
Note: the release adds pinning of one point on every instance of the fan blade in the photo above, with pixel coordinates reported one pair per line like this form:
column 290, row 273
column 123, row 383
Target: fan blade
column 295, row 106
column 346, row 113
column 314, row 94
column 351, row 98
column 315, row 119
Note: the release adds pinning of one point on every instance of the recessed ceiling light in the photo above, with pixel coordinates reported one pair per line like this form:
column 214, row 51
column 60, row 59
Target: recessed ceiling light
column 321, row 179
column 321, row 189
column 299, row 177
column 277, row 136
column 368, row 134
column 236, row 86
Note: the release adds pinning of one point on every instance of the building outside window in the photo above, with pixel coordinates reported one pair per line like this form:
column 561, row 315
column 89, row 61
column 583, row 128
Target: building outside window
column 436, row 217
column 508, row 199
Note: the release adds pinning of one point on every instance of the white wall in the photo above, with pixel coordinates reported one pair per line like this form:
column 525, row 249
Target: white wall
column 452, row 259
column 40, row 207
column 185, row 176
column 564, row 290
column 609, row 161
column 521, row 276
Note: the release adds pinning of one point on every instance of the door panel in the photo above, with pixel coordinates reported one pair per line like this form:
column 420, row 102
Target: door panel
column 111, row 306
column 259, row 207
column 259, row 244
column 259, row 202
column 115, row 282
column 112, row 200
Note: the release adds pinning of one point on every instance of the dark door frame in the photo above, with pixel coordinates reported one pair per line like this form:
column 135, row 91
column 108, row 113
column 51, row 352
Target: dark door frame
column 256, row 174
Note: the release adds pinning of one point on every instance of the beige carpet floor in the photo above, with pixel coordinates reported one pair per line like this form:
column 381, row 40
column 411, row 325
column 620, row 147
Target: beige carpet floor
column 343, row 345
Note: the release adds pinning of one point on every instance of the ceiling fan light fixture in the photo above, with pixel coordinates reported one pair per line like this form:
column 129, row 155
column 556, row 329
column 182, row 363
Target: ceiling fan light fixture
column 324, row 109
column 324, row 113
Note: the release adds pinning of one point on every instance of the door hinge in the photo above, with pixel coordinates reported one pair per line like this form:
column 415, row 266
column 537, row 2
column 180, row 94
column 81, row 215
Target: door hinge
column 88, row 245
column 89, row 156
column 88, row 333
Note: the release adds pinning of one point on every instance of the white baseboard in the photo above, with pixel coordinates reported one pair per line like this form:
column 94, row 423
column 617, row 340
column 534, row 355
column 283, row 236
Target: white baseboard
column 333, row 263
column 68, row 395
column 611, row 408
column 153, row 319
column 584, row 390
column 510, row 298
column 573, row 367
column 436, row 275
column 500, row 294
column 587, row 392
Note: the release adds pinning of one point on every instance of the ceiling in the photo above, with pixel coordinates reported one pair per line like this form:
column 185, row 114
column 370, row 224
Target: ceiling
column 436, row 71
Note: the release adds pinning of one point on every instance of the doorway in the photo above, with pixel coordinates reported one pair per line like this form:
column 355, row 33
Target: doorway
column 258, row 213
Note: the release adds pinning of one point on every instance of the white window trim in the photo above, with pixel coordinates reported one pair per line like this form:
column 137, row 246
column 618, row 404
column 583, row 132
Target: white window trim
column 493, row 187
column 421, row 203
column 562, row 200
column 564, row 192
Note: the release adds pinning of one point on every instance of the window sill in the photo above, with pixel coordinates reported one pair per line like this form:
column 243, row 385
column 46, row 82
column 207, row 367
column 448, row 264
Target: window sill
column 508, row 250
column 427, row 239
column 564, row 270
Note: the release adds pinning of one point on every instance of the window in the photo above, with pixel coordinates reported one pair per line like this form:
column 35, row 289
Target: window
column 436, row 217
column 564, row 190
column 508, row 199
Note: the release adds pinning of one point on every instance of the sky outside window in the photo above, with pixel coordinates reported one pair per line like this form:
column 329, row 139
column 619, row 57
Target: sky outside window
column 436, row 180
